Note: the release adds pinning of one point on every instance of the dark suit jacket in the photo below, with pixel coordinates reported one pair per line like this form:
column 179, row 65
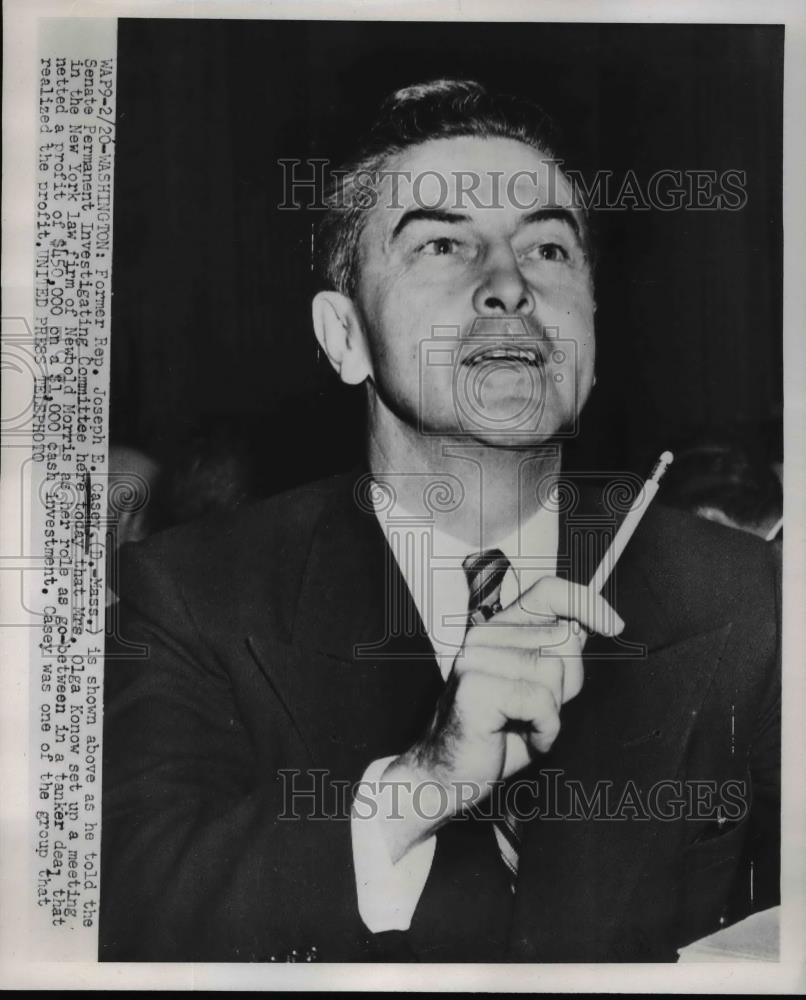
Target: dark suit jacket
column 271, row 649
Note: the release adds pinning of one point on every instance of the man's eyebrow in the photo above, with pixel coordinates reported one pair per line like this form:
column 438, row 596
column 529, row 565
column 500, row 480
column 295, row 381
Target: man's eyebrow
column 547, row 214
column 427, row 215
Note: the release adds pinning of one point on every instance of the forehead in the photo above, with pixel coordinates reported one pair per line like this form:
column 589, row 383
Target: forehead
column 493, row 180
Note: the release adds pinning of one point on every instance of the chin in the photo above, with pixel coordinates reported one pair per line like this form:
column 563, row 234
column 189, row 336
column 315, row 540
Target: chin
column 518, row 439
column 516, row 427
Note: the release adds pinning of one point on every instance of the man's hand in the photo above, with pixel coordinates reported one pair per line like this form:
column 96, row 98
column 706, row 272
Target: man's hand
column 512, row 675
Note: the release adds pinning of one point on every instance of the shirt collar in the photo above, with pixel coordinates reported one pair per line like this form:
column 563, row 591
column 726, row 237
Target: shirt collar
column 430, row 561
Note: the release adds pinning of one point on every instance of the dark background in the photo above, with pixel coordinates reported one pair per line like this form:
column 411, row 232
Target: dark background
column 211, row 313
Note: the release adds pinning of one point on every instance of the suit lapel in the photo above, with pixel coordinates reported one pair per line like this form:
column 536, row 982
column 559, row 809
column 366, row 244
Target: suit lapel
column 358, row 676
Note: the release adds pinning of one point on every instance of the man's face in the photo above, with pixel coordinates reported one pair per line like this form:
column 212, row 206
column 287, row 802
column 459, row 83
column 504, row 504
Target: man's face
column 476, row 295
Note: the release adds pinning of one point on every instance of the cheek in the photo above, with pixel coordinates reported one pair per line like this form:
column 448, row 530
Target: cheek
column 410, row 318
column 393, row 338
column 573, row 313
column 572, row 309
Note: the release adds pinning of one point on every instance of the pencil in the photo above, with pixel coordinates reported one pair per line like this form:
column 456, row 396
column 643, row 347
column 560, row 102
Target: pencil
column 629, row 524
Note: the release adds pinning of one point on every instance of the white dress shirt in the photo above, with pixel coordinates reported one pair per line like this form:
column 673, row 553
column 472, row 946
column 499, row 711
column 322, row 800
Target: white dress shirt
column 430, row 562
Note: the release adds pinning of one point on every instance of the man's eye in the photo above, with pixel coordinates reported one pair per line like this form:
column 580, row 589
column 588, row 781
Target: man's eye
column 442, row 246
column 552, row 252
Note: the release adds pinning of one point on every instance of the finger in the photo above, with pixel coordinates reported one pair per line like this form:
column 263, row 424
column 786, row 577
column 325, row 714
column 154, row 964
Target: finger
column 535, row 705
column 516, row 666
column 517, row 754
column 559, row 636
column 542, row 741
column 489, row 703
column 573, row 678
column 563, row 677
column 551, row 596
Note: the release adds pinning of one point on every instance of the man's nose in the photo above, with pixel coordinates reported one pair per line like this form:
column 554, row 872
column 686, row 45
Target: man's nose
column 503, row 289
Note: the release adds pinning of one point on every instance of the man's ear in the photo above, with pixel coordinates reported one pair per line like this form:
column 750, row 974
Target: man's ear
column 341, row 336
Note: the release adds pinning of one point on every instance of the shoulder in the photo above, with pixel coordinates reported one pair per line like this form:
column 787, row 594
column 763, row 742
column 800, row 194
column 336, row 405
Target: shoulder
column 705, row 570
column 227, row 550
column 686, row 540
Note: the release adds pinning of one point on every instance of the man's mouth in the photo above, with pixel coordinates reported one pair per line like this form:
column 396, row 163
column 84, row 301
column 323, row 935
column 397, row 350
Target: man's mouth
column 506, row 353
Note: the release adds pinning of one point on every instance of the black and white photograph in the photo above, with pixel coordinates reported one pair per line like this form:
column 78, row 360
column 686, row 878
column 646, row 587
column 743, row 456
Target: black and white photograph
column 326, row 611
column 439, row 547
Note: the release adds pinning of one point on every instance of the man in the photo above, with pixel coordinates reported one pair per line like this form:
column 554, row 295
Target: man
column 340, row 688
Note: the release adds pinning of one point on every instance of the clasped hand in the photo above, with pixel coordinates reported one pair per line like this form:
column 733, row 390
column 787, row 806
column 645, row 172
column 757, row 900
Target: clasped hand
column 512, row 676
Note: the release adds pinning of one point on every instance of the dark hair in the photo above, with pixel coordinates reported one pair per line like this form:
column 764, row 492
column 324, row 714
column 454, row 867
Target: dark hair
column 727, row 476
column 440, row 109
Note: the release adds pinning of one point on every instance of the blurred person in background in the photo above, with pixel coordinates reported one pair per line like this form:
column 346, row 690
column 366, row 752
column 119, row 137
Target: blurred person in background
column 133, row 476
column 210, row 471
column 729, row 482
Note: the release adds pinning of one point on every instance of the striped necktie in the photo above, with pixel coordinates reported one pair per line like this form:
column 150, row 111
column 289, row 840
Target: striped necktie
column 485, row 572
